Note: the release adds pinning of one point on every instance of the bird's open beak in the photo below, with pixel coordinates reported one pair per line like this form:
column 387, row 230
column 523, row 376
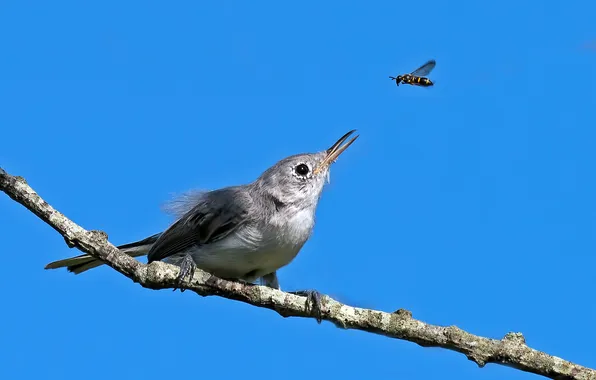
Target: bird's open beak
column 335, row 151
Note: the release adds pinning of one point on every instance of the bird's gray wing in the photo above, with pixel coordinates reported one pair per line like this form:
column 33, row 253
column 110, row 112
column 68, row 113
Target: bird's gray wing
column 214, row 217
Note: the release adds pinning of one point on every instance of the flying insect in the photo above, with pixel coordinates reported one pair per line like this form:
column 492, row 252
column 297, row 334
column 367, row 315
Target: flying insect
column 418, row 76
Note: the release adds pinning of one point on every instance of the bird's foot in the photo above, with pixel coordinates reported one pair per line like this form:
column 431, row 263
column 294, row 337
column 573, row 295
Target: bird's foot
column 187, row 269
column 314, row 303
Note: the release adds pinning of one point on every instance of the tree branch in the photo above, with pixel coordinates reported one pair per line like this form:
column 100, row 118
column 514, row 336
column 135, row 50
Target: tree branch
column 511, row 351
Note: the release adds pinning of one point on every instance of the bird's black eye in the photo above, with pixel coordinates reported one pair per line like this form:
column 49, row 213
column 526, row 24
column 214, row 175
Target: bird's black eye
column 302, row 169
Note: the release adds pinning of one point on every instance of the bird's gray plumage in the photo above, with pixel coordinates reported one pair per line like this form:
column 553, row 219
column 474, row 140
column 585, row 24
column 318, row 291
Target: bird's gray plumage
column 243, row 232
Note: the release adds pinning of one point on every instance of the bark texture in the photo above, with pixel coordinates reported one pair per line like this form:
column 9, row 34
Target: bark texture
column 511, row 351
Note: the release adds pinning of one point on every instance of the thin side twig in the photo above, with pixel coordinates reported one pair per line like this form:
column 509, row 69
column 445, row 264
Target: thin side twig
column 511, row 351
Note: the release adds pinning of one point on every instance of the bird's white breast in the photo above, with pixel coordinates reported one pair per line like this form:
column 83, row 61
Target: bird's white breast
column 262, row 248
column 285, row 236
column 292, row 228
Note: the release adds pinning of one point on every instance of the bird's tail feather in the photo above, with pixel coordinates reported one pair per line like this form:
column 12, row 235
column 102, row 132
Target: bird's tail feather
column 82, row 263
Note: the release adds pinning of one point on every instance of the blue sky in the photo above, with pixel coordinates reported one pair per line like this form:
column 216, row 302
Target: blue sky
column 470, row 203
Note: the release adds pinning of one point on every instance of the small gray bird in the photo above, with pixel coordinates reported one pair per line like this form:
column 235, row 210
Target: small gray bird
column 244, row 232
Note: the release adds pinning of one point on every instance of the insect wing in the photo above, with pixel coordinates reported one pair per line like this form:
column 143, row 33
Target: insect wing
column 425, row 69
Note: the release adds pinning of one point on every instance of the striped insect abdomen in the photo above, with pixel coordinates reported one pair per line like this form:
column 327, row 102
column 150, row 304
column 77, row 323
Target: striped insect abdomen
column 424, row 82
